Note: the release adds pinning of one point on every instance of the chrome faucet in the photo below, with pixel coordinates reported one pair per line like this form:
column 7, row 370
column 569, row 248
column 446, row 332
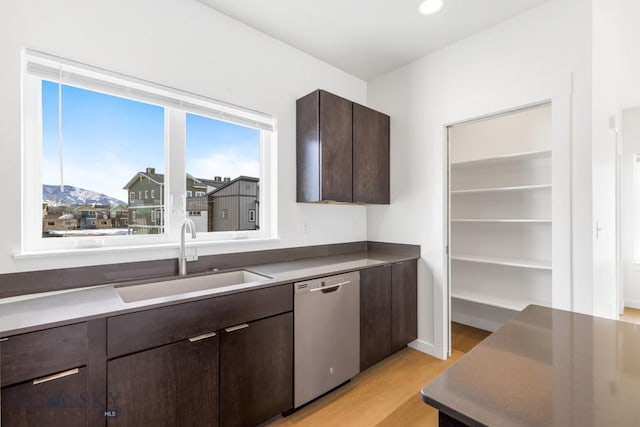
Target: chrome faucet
column 182, row 259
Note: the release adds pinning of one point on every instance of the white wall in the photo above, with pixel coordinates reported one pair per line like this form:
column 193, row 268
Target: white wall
column 182, row 44
column 616, row 87
column 631, row 141
column 514, row 63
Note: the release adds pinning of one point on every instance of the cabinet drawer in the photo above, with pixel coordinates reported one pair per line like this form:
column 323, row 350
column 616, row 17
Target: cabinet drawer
column 142, row 330
column 60, row 401
column 36, row 354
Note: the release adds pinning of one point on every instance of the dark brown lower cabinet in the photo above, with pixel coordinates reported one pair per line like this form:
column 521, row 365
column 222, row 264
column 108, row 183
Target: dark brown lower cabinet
column 256, row 371
column 375, row 315
column 388, row 310
column 172, row 385
column 44, row 378
column 59, row 399
column 404, row 303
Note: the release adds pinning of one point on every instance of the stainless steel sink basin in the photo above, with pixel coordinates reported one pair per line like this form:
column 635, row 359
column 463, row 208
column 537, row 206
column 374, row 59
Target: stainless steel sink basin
column 186, row 285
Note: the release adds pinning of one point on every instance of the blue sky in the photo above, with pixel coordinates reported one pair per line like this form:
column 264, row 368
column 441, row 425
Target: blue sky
column 107, row 139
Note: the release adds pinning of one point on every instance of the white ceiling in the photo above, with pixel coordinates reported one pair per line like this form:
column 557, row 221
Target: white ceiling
column 368, row 38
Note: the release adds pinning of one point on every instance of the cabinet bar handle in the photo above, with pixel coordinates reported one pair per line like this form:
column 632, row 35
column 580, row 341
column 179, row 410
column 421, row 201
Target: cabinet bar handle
column 56, row 376
column 202, row 337
column 236, row 328
column 4, row 339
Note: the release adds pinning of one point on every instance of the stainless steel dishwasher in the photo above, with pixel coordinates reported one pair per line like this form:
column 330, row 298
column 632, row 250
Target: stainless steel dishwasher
column 327, row 334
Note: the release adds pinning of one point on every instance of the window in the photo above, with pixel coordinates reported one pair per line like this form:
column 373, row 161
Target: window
column 101, row 135
column 227, row 155
column 252, row 215
column 87, row 136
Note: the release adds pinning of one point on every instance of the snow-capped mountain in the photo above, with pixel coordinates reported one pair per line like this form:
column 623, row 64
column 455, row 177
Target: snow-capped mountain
column 74, row 196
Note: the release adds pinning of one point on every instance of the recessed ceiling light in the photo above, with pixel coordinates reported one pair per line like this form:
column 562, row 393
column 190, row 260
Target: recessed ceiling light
column 429, row 7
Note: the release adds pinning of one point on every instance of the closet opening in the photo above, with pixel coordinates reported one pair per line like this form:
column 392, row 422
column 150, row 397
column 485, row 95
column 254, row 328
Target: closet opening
column 499, row 220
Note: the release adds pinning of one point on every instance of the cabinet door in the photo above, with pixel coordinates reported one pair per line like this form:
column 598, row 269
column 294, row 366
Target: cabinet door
column 370, row 155
column 404, row 303
column 60, row 399
column 256, row 371
column 172, row 385
column 375, row 315
column 336, row 148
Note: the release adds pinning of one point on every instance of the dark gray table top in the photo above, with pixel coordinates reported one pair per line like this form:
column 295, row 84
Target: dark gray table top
column 546, row 367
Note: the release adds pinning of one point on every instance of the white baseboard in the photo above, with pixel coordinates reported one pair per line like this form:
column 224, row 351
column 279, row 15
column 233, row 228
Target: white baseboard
column 632, row 304
column 425, row 347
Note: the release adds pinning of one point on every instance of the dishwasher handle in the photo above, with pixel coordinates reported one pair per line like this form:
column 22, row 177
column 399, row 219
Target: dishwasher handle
column 327, row 289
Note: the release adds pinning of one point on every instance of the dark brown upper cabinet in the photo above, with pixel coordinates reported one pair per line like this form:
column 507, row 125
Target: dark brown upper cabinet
column 342, row 151
column 370, row 155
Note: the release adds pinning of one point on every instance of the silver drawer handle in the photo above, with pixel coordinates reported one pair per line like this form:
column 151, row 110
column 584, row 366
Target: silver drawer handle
column 4, row 339
column 56, row 376
column 331, row 287
column 202, row 337
column 236, row 328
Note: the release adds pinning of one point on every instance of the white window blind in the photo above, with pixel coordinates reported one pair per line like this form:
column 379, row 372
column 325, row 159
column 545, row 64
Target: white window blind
column 75, row 74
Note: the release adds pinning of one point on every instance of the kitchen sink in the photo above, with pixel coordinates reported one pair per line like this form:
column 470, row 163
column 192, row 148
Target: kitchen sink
column 135, row 293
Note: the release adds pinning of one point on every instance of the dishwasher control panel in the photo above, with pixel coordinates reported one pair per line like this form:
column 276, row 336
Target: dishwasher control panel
column 329, row 282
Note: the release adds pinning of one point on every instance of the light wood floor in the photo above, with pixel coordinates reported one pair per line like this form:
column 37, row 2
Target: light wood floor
column 387, row 394
column 631, row 315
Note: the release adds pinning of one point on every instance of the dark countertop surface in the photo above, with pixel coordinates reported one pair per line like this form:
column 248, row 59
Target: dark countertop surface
column 546, row 367
column 38, row 311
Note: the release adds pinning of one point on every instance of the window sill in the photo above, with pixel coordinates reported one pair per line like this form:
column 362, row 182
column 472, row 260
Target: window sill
column 47, row 253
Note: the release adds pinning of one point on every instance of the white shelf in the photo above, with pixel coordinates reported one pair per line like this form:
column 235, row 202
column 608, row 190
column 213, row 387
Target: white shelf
column 511, row 262
column 530, row 155
column 512, row 220
column 505, row 303
column 502, row 189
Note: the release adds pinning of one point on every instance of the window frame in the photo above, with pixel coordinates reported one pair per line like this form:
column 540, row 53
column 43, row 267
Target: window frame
column 178, row 104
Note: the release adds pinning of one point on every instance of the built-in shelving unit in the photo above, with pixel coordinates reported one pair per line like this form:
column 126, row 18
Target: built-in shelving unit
column 500, row 216
column 498, row 189
column 506, row 158
column 505, row 303
column 517, row 220
column 512, row 262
